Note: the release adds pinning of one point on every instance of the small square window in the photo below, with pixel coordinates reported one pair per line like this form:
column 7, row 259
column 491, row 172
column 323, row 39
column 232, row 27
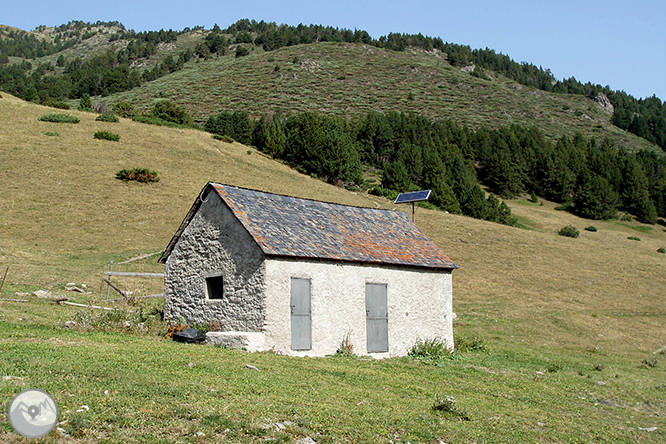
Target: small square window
column 215, row 287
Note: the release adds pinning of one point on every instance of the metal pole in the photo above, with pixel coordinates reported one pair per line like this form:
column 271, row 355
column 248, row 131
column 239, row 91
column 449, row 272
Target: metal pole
column 108, row 287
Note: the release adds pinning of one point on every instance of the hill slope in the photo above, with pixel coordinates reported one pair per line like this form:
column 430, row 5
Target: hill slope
column 351, row 79
column 333, row 78
column 536, row 299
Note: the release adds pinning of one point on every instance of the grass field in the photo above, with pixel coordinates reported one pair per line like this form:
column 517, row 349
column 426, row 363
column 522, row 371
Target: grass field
column 566, row 326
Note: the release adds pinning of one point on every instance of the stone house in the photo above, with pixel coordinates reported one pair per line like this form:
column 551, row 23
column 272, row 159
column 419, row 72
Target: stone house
column 299, row 276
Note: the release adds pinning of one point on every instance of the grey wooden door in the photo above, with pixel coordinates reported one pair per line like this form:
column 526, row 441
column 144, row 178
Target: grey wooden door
column 301, row 322
column 376, row 312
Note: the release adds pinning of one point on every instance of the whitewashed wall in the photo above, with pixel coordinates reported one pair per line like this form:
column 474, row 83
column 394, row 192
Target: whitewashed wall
column 419, row 303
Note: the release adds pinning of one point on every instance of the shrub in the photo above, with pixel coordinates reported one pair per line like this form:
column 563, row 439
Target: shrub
column 107, row 117
column 105, row 135
column 226, row 139
column 138, row 174
column 634, row 238
column 51, row 133
column 55, row 103
column 565, row 207
column 430, row 349
column 569, row 231
column 592, row 228
column 85, row 103
column 124, row 109
column 661, row 250
column 59, row 118
column 534, row 198
column 626, row 217
column 169, row 111
column 242, row 51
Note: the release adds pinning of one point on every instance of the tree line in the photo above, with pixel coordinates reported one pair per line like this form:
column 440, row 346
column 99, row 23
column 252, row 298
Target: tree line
column 595, row 179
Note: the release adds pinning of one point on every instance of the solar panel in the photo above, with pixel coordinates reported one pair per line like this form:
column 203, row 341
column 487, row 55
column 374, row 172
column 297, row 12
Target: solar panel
column 414, row 196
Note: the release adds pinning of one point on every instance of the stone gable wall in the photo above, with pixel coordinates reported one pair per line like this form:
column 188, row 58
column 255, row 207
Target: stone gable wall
column 216, row 244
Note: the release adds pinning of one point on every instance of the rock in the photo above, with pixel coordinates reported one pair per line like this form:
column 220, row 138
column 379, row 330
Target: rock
column 647, row 429
column 600, row 383
column 251, row 367
column 605, row 103
column 70, row 324
column 21, row 295
column 70, row 287
column 661, row 351
column 11, row 378
column 61, row 432
column 306, row 440
column 42, row 294
column 240, row 340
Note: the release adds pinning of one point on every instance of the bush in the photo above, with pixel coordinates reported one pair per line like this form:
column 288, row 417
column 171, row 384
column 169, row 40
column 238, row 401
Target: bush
column 124, row 109
column 242, row 51
column 569, row 231
column 592, row 228
column 565, row 207
column 59, row 118
column 50, row 133
column 107, row 117
column 85, row 103
column 626, row 217
column 634, row 238
column 54, row 103
column 105, row 135
column 661, row 250
column 385, row 192
column 169, row 111
column 138, row 174
column 430, row 349
column 226, row 139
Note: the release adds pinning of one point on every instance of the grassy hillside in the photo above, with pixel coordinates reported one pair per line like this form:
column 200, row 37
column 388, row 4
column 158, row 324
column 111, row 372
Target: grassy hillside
column 348, row 79
column 565, row 323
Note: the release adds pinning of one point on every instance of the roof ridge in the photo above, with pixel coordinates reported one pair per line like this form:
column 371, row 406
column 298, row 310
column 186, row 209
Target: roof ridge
column 304, row 198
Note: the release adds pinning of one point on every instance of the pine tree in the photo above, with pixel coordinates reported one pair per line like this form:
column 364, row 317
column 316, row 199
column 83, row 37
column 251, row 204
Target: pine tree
column 276, row 139
column 635, row 195
column 596, row 199
column 395, row 177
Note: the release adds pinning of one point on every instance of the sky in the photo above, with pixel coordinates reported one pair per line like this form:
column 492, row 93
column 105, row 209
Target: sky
column 608, row 42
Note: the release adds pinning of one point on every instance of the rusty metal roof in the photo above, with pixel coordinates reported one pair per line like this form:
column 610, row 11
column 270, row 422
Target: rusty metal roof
column 304, row 228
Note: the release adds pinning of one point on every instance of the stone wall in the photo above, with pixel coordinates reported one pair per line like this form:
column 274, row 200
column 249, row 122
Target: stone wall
column 215, row 244
column 419, row 303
